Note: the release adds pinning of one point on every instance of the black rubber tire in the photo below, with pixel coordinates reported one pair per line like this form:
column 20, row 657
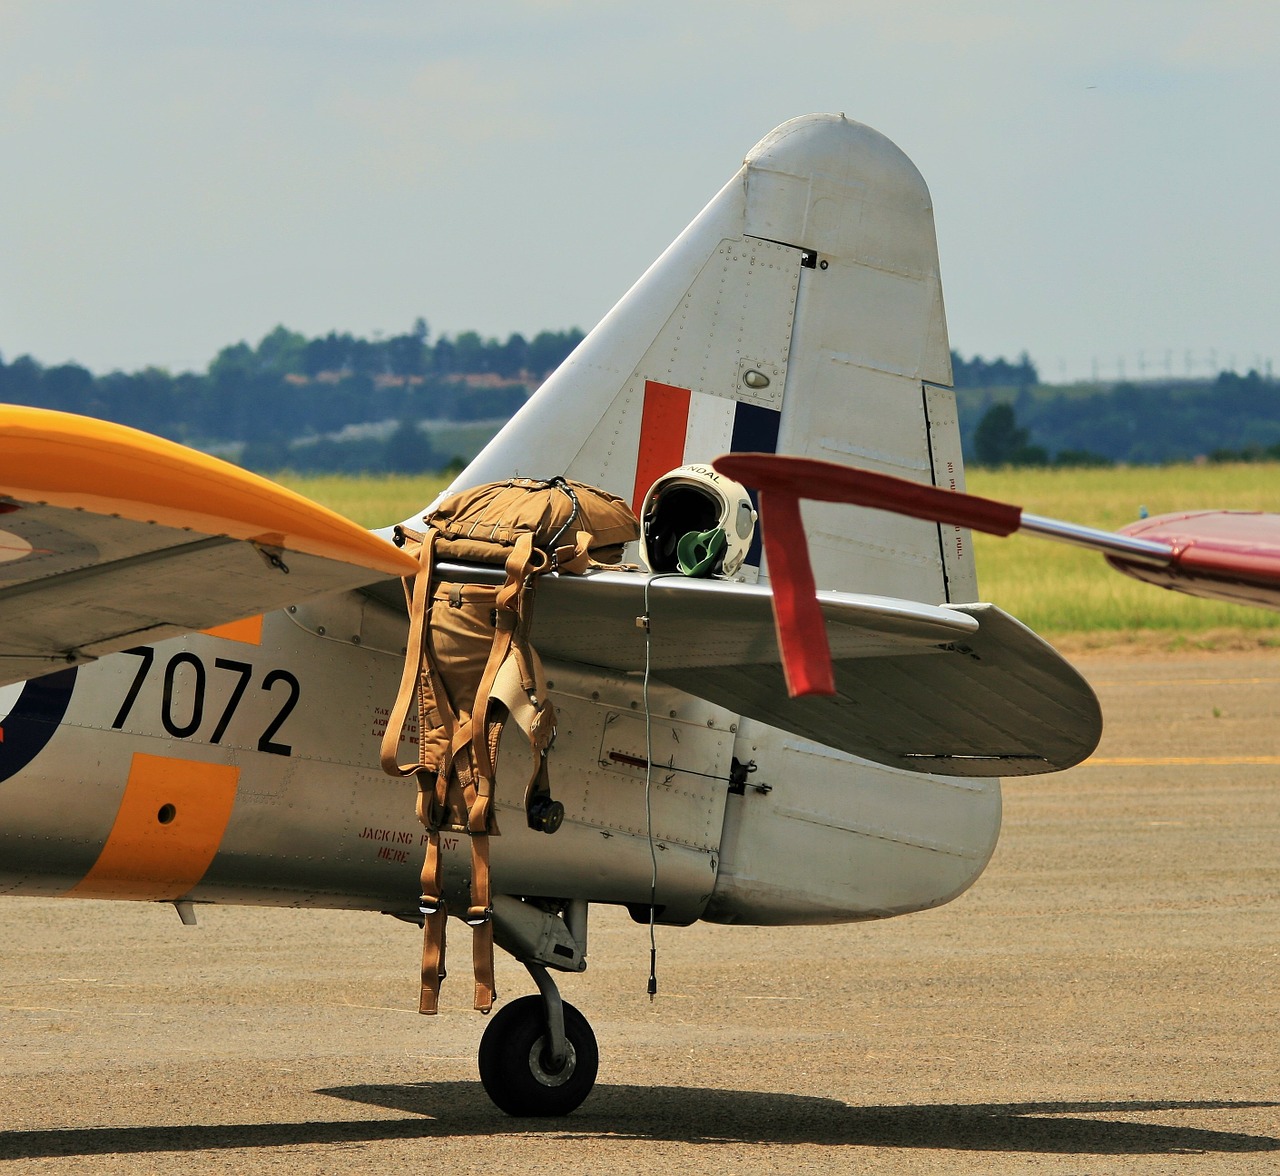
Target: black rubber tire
column 510, row 1069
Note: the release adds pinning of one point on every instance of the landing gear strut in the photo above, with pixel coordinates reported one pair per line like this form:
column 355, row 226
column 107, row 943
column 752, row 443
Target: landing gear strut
column 538, row 1055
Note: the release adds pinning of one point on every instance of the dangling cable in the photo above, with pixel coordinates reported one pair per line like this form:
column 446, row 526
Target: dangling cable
column 648, row 800
column 644, row 623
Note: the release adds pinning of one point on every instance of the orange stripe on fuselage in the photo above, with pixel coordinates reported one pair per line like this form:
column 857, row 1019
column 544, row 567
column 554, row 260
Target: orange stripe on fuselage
column 248, row 630
column 170, row 824
column 664, row 421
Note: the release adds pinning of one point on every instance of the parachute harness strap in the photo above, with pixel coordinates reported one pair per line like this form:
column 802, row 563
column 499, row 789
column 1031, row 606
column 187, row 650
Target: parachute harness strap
column 466, row 767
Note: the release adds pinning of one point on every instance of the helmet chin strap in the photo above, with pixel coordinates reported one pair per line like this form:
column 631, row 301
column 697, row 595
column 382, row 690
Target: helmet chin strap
column 698, row 552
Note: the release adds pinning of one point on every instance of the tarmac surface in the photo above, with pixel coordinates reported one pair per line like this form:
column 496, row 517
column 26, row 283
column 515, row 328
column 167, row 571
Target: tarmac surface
column 1103, row 1000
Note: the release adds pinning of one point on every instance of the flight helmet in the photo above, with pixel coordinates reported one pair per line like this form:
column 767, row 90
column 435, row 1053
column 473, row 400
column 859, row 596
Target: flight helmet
column 696, row 521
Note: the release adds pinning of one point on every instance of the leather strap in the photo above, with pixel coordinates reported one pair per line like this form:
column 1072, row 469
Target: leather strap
column 419, row 598
column 432, row 961
column 482, row 965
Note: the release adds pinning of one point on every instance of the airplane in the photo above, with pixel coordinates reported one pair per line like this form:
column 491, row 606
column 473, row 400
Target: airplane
column 197, row 667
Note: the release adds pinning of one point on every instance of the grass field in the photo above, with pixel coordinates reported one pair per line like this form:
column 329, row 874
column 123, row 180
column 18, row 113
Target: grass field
column 372, row 500
column 1064, row 593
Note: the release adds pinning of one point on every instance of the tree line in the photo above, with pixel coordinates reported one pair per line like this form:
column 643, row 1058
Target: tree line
column 996, row 373
column 339, row 402
column 1230, row 418
column 257, row 403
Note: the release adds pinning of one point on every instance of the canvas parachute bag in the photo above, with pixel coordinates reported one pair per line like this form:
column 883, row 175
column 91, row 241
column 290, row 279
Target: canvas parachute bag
column 470, row 666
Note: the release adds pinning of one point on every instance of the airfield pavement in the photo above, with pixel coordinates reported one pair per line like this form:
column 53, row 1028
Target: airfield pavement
column 1103, row 1000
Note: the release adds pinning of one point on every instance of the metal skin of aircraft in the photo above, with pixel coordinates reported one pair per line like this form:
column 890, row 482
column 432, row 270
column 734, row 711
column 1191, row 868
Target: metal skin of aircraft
column 157, row 747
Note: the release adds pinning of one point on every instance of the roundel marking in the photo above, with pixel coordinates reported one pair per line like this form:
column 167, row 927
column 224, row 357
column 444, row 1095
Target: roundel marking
column 13, row 547
column 29, row 715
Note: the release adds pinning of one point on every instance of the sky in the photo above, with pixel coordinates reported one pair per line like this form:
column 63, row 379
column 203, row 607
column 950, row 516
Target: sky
column 178, row 177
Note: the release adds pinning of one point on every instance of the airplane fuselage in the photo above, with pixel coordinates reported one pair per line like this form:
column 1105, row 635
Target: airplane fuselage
column 243, row 768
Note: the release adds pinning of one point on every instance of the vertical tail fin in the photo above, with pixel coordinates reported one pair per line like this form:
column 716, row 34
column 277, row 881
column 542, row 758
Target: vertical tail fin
column 801, row 312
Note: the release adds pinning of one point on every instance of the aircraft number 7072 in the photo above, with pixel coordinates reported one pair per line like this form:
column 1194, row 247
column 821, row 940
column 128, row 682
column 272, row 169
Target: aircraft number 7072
column 186, row 724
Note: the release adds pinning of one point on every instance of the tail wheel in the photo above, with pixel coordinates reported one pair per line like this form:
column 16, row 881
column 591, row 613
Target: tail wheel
column 515, row 1066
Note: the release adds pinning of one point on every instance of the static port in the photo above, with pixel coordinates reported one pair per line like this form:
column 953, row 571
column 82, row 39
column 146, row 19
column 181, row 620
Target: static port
column 166, row 814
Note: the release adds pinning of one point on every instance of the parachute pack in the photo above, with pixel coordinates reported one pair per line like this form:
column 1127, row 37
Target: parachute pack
column 471, row 668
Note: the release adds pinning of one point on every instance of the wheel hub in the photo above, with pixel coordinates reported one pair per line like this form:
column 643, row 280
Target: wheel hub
column 549, row 1077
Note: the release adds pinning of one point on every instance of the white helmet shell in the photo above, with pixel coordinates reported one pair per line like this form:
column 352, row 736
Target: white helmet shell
column 683, row 516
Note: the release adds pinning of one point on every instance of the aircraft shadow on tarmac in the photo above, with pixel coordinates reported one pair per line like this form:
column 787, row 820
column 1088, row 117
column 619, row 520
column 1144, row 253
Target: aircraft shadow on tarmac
column 690, row 1115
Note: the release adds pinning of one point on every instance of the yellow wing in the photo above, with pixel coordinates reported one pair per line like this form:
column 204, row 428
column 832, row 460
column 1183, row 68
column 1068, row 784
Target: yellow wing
column 110, row 536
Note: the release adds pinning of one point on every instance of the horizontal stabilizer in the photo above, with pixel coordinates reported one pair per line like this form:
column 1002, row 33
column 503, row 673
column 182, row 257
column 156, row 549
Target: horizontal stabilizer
column 961, row 690
column 998, row 703
column 110, row 537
